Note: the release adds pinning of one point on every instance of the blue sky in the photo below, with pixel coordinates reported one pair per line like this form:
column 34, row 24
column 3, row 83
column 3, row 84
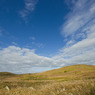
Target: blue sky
column 39, row 35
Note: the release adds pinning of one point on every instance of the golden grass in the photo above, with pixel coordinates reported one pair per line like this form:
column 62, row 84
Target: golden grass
column 70, row 80
column 78, row 87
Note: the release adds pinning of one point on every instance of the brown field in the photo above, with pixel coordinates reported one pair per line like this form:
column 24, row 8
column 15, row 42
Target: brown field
column 70, row 80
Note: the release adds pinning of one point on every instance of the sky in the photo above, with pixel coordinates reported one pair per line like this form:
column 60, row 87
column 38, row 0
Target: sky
column 40, row 35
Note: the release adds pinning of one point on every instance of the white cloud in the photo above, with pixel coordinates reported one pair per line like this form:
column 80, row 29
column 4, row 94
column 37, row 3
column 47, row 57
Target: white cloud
column 29, row 7
column 82, row 12
column 80, row 26
column 16, row 55
column 17, row 58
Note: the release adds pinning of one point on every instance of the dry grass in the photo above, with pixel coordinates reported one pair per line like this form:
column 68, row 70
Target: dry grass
column 78, row 87
column 71, row 80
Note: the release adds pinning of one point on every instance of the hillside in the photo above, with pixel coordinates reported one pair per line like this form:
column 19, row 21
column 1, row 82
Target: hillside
column 67, row 73
column 6, row 74
column 69, row 80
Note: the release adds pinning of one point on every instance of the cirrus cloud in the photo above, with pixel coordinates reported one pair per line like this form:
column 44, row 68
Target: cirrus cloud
column 29, row 7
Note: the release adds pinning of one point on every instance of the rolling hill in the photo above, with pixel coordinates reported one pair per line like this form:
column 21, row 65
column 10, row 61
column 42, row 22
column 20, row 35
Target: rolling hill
column 69, row 80
column 65, row 73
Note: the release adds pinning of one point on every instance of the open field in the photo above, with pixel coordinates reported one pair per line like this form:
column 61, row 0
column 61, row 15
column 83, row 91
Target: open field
column 70, row 80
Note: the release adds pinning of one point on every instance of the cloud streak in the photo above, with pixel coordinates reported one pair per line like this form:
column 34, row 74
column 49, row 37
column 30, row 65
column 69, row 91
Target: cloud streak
column 82, row 12
column 29, row 7
column 80, row 26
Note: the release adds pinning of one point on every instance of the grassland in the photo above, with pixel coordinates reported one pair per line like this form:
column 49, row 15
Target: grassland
column 70, row 80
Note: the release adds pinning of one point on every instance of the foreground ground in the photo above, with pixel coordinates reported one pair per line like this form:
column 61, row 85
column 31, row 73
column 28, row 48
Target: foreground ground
column 70, row 80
